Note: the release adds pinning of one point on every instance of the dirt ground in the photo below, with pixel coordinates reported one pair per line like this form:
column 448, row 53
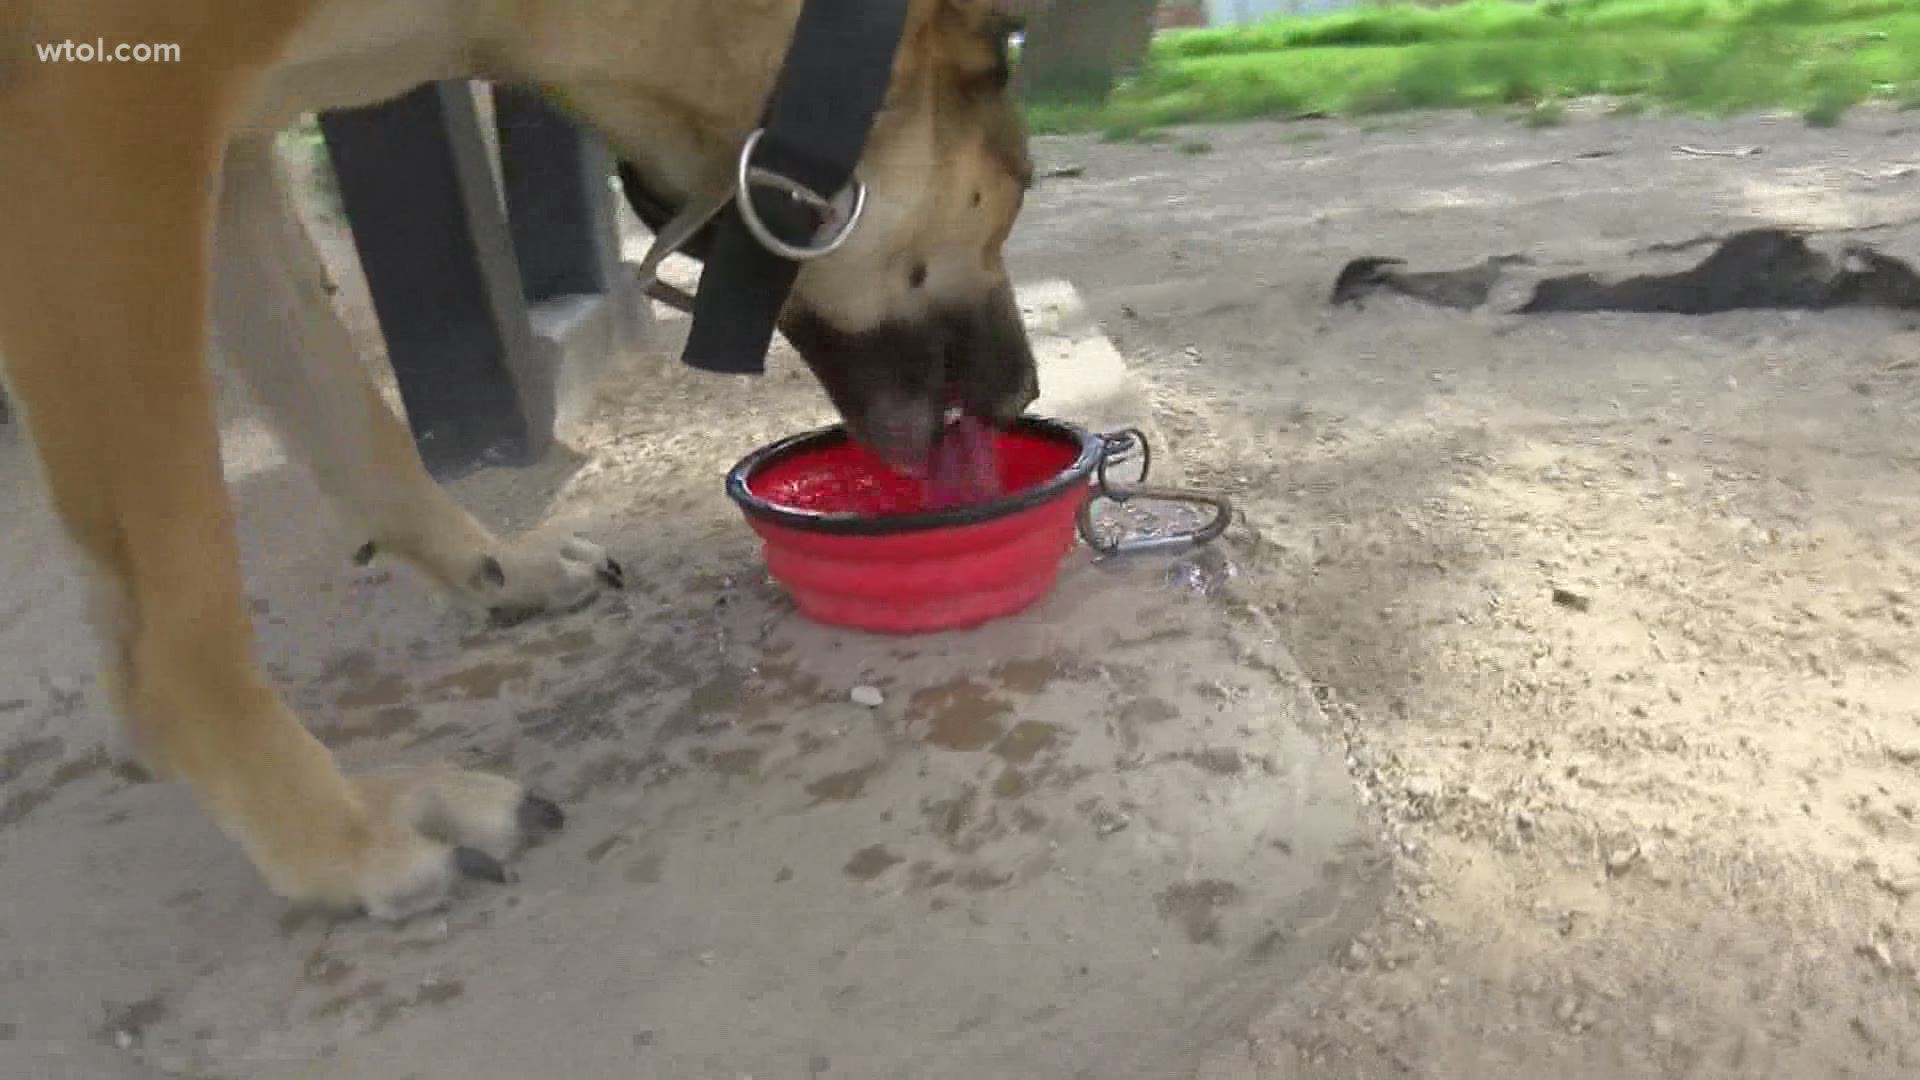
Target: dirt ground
column 1663, row 825
column 1612, row 615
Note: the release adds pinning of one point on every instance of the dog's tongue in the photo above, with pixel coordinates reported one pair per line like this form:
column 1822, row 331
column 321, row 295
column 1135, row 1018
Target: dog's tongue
column 962, row 469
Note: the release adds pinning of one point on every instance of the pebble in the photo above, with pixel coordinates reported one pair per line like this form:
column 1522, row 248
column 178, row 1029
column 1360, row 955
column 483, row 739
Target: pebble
column 1107, row 821
column 870, row 696
column 1899, row 884
column 1621, row 859
column 1359, row 956
column 1425, row 788
column 1878, row 952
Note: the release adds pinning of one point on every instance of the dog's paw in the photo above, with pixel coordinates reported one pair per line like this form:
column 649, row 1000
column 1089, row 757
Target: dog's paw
column 432, row 828
column 542, row 574
column 511, row 582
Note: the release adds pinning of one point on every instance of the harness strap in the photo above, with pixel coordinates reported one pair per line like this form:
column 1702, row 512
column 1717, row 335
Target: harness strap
column 687, row 232
column 656, row 213
column 829, row 90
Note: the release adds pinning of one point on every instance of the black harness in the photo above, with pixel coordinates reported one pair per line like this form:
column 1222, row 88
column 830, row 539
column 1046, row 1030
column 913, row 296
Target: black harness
column 794, row 195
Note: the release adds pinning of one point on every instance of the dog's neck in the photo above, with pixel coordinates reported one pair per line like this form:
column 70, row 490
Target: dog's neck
column 676, row 85
column 678, row 97
column 677, row 82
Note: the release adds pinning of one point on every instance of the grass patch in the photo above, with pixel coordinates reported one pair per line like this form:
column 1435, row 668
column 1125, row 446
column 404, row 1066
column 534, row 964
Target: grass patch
column 1545, row 115
column 1827, row 113
column 1708, row 57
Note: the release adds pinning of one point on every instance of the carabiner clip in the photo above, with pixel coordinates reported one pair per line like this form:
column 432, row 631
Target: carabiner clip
column 1119, row 447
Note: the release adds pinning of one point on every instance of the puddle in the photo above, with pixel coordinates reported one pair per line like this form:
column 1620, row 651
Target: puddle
column 959, row 715
column 1196, row 905
column 1026, row 740
column 377, row 690
column 971, row 878
column 124, row 1024
column 389, row 720
column 1147, row 710
column 615, row 769
column 322, row 970
column 742, row 762
column 729, row 694
column 482, row 682
column 843, row 786
column 349, row 667
column 1011, row 784
column 1204, row 572
column 439, row 993
column 1218, row 760
column 645, row 870
column 384, row 1008
column 870, row 862
column 949, row 817
column 568, row 647
column 1030, row 676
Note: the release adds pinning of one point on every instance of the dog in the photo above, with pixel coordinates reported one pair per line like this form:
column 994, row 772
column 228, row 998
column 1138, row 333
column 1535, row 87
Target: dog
column 145, row 220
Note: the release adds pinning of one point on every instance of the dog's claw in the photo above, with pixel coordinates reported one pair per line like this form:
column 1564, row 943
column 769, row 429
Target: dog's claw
column 492, row 573
column 480, row 866
column 612, row 573
column 538, row 815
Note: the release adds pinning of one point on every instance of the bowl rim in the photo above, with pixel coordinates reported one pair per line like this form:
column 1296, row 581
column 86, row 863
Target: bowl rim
column 841, row 523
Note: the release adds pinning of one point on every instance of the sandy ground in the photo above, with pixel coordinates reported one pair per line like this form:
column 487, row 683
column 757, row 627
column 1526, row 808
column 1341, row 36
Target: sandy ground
column 1667, row 828
column 1086, row 842
column 1662, row 828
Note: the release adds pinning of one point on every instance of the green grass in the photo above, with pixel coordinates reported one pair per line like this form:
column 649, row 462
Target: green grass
column 1711, row 57
column 1544, row 115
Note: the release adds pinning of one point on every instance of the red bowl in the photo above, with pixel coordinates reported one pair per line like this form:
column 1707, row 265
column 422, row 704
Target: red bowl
column 906, row 569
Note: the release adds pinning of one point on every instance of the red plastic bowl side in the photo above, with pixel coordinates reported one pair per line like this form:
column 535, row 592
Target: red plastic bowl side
column 925, row 580
column 911, row 582
column 961, row 611
column 924, row 543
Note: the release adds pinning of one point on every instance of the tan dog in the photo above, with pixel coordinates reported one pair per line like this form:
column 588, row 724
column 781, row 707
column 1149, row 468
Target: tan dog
column 141, row 206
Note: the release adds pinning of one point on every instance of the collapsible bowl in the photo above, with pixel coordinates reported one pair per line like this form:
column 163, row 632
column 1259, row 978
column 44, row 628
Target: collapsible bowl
column 851, row 541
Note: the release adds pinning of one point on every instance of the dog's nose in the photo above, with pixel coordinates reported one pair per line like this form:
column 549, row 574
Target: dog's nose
column 899, row 430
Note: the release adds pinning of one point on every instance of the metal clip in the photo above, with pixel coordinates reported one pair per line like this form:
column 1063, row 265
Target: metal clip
column 1120, row 447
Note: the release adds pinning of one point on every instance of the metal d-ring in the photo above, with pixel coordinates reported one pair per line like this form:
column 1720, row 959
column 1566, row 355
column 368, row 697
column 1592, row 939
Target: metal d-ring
column 1119, row 446
column 836, row 220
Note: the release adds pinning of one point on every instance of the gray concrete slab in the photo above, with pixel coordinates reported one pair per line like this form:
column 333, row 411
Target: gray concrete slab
column 1090, row 841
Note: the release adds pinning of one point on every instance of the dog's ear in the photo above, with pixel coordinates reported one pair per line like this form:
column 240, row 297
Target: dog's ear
column 977, row 36
column 999, row 17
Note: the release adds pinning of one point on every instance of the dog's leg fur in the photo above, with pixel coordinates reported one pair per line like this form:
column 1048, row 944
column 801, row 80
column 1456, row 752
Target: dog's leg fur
column 275, row 324
column 104, row 291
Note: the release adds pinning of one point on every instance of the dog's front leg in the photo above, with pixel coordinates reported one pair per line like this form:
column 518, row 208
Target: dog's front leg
column 277, row 327
column 107, row 173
